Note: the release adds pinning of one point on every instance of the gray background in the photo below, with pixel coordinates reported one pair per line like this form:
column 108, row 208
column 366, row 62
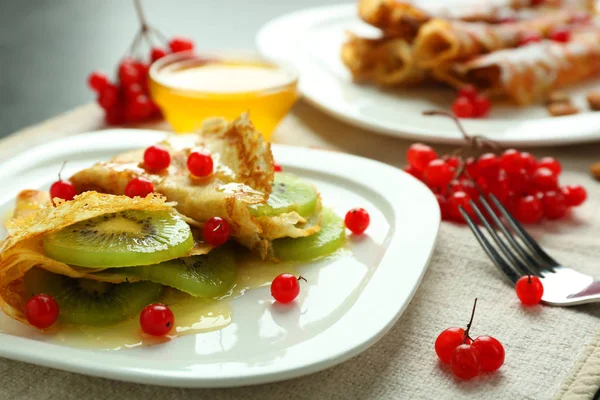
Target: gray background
column 48, row 47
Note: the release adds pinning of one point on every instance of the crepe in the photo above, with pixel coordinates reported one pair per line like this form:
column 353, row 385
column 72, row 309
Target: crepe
column 243, row 175
column 386, row 62
column 443, row 41
column 403, row 19
column 528, row 74
column 23, row 247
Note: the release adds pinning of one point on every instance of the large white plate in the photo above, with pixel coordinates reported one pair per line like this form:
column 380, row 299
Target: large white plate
column 311, row 41
column 348, row 303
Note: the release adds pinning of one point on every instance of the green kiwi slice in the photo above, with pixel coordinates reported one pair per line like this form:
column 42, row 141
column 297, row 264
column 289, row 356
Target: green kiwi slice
column 88, row 302
column 208, row 275
column 290, row 193
column 123, row 239
column 330, row 238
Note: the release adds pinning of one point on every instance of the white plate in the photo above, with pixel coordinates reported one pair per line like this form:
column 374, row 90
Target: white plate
column 347, row 304
column 311, row 41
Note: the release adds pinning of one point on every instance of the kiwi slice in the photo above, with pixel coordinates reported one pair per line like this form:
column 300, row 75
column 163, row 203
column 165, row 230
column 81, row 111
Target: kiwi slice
column 123, row 239
column 88, row 302
column 330, row 238
column 290, row 193
column 208, row 275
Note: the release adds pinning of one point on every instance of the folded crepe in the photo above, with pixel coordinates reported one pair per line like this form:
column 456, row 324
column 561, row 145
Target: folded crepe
column 528, row 74
column 404, row 19
column 443, row 41
column 384, row 61
column 242, row 177
column 34, row 217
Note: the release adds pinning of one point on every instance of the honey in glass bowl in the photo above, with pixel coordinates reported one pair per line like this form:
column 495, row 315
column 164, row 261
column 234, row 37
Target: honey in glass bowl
column 190, row 88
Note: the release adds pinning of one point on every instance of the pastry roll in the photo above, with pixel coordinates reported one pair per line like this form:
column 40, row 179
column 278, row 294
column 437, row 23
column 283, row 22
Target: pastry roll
column 384, row 61
column 528, row 74
column 442, row 41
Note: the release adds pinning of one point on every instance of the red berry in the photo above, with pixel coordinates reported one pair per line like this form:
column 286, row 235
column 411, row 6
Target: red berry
column 468, row 91
column 139, row 186
column 285, row 288
column 133, row 91
column 551, row 164
column 114, row 116
column 529, row 38
column 200, row 164
column 456, row 200
column 465, row 361
column 139, row 109
column 414, row 172
column 555, row 205
column 447, row 342
column 157, row 319
column 157, row 53
column 491, row 352
column 529, row 290
column 178, row 44
column 562, row 35
column 357, row 220
column 468, row 186
column 482, row 106
column 471, row 168
column 443, row 203
column 438, row 173
column 463, row 108
column 488, row 165
column 98, row 81
column 63, row 190
column 142, row 69
column 544, row 179
column 157, row 158
column 419, row 155
column 511, row 161
column 108, row 97
column 216, row 231
column 529, row 162
column 575, row 195
column 529, row 210
column 520, row 181
column 128, row 74
column 452, row 161
column 500, row 187
column 277, row 167
column 41, row 311
column 456, row 186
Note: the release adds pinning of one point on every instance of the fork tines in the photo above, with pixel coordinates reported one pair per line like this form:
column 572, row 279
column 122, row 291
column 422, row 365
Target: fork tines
column 519, row 254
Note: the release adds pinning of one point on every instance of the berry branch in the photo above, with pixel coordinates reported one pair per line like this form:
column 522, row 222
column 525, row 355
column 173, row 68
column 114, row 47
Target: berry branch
column 470, row 322
column 127, row 100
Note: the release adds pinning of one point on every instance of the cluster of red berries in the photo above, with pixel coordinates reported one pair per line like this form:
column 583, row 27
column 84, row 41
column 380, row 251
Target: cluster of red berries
column 466, row 356
column 527, row 187
column 128, row 100
column 470, row 103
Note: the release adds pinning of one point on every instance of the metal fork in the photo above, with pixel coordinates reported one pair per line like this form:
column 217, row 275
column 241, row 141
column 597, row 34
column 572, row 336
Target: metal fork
column 519, row 255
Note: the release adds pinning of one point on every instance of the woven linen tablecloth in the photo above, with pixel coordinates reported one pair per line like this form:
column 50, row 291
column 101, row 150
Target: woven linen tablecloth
column 550, row 352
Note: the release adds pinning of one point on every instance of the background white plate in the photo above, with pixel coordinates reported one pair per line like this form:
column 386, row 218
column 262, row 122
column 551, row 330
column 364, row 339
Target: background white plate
column 311, row 41
column 347, row 304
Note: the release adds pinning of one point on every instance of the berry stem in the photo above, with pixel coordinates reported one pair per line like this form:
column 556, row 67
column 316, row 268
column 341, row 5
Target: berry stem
column 61, row 170
column 140, row 13
column 528, row 278
column 302, row 278
column 470, row 321
column 476, row 141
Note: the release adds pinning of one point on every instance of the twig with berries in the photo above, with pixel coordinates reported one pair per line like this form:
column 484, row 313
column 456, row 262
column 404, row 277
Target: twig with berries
column 127, row 100
column 529, row 188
